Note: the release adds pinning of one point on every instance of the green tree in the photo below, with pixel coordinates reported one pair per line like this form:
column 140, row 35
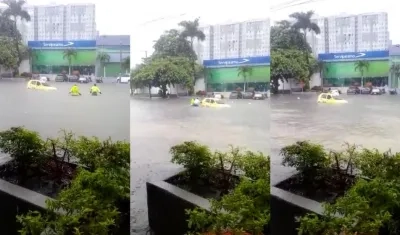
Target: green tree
column 245, row 72
column 286, row 64
column 163, row 72
column 103, row 58
column 172, row 44
column 126, row 63
column 304, row 24
column 361, row 66
column 15, row 11
column 69, row 54
column 7, row 27
column 395, row 69
column 191, row 31
column 8, row 59
column 284, row 36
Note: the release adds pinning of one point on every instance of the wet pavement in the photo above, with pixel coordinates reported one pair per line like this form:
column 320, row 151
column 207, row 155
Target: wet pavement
column 370, row 121
column 49, row 111
column 157, row 125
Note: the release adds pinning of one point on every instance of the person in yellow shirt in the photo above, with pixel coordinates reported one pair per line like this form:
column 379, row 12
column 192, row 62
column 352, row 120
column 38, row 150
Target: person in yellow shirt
column 75, row 90
column 94, row 90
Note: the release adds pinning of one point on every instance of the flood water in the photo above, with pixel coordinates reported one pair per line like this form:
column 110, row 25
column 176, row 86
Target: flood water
column 370, row 121
column 157, row 125
column 47, row 112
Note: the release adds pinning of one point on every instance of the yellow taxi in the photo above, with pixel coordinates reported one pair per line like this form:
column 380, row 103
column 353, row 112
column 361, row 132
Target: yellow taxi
column 214, row 103
column 327, row 98
column 39, row 85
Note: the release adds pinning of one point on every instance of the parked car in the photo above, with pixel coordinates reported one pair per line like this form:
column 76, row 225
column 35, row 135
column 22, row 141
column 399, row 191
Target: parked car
column 61, row 78
column 353, row 90
column 247, row 95
column 383, row 90
column 365, row 90
column 218, row 96
column 84, row 80
column 99, row 80
column 73, row 78
column 376, row 91
column 258, row 96
column 123, row 78
column 235, row 95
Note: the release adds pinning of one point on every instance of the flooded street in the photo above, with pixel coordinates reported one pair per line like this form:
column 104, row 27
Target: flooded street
column 157, row 125
column 370, row 121
column 49, row 111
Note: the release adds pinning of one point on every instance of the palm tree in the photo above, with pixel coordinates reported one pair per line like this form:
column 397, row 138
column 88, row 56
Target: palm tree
column 395, row 69
column 361, row 66
column 103, row 58
column 245, row 72
column 69, row 54
column 191, row 31
column 14, row 11
column 303, row 23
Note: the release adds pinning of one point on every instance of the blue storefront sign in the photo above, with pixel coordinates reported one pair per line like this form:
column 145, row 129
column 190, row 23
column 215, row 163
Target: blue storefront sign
column 354, row 55
column 262, row 60
column 62, row 44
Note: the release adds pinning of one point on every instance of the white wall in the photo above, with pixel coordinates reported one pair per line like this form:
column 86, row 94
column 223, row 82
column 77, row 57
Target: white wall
column 25, row 66
column 292, row 83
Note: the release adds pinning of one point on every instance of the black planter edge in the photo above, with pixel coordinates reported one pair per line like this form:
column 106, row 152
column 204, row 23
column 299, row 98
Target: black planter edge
column 286, row 207
column 26, row 195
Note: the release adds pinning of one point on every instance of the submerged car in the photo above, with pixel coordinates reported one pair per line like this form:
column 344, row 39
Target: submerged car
column 61, row 78
column 365, row 90
column 39, row 85
column 376, row 91
column 235, row 95
column 214, row 103
column 327, row 98
column 353, row 90
column 258, row 96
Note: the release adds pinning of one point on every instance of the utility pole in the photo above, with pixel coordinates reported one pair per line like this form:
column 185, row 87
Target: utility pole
column 120, row 57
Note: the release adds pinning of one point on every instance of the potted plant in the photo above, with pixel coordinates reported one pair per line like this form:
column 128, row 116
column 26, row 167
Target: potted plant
column 209, row 182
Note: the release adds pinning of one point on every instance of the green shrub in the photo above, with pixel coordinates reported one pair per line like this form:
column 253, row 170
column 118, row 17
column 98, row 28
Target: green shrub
column 196, row 158
column 25, row 147
column 246, row 208
column 89, row 204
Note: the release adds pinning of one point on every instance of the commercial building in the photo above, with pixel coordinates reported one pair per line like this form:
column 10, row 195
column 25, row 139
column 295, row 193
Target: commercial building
column 394, row 59
column 351, row 33
column 227, row 47
column 235, row 40
column 223, row 75
column 339, row 68
column 48, row 57
column 59, row 22
column 118, row 48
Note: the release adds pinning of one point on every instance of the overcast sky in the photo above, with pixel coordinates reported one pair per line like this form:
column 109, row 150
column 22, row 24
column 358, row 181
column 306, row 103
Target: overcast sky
column 130, row 17
column 334, row 7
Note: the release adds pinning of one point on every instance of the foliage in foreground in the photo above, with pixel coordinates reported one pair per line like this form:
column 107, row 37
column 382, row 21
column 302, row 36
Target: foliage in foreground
column 244, row 209
column 90, row 204
column 369, row 207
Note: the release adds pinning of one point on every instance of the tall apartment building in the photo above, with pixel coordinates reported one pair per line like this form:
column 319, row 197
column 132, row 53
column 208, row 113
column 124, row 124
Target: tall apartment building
column 235, row 40
column 351, row 33
column 59, row 22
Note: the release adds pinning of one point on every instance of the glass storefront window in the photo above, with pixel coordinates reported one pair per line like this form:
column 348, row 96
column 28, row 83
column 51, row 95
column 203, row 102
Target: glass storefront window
column 43, row 69
column 345, row 82
column 228, row 87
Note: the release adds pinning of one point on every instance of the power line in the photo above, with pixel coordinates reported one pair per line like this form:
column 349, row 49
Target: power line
column 277, row 8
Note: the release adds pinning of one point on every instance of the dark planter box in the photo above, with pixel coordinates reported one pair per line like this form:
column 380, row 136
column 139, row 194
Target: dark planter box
column 285, row 207
column 167, row 205
column 16, row 200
